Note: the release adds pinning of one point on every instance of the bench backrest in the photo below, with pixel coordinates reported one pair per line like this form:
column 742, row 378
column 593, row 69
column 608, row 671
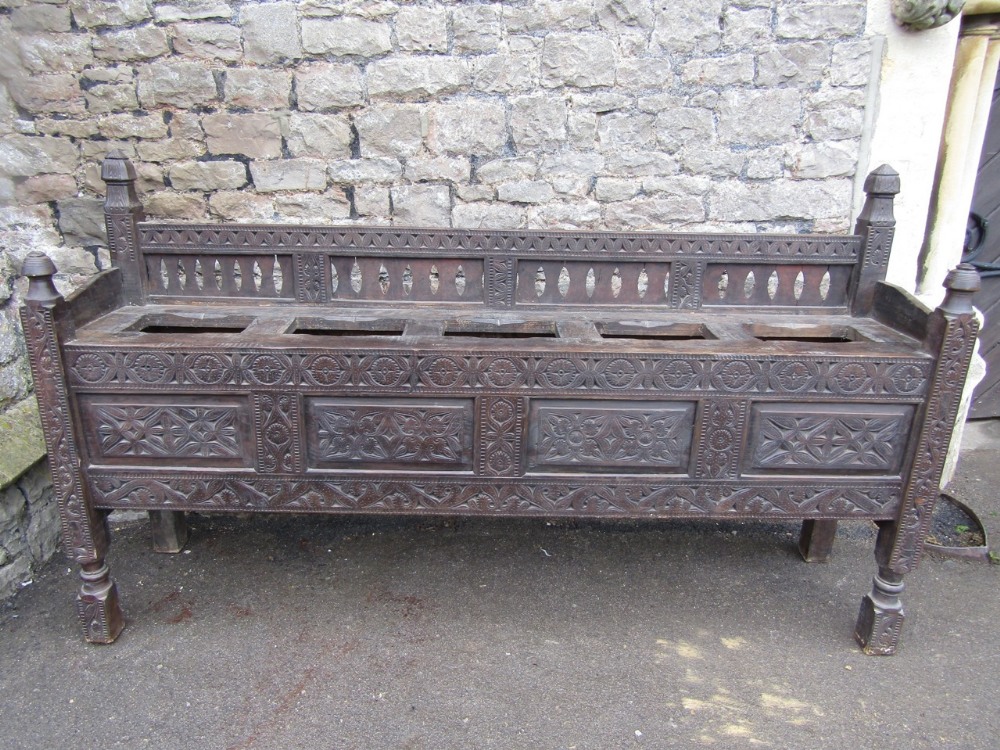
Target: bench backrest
column 163, row 262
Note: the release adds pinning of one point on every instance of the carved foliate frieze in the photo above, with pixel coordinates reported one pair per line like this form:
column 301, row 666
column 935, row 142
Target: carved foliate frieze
column 389, row 241
column 721, row 436
column 481, row 497
column 499, row 442
column 451, row 372
column 344, row 432
column 611, row 435
column 279, row 434
column 923, row 486
column 797, row 437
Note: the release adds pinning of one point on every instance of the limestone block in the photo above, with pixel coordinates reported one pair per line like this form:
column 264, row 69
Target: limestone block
column 684, row 26
column 171, row 149
column 192, row 10
column 72, row 128
column 488, row 216
column 418, row 76
column 208, row 41
column 779, row 199
column 132, row 126
column 179, row 84
column 7, row 274
column 15, row 379
column 508, row 71
column 574, row 215
column 270, row 32
column 239, row 205
column 600, row 102
column 208, row 175
column 475, row 28
column 525, row 191
column 314, row 209
column 81, row 221
column 45, row 187
column 581, row 129
column 376, row 170
column 801, row 63
column 140, row 43
column 57, row 92
column 776, row 114
column 706, row 160
column 549, row 15
column 614, row 14
column 824, row 159
column 320, row 135
column 55, row 53
column 507, row 170
column 391, row 129
column 432, row 168
column 24, row 156
column 165, row 204
column 422, row 29
column 11, row 341
column 346, row 36
column 819, row 20
column 23, row 443
column 679, row 184
column 851, row 63
column 581, row 60
column 615, row 189
column 644, row 73
column 677, row 127
column 468, row 127
column 586, row 164
column 256, row 89
column 538, row 120
column 256, row 136
column 746, row 28
column 94, row 151
column 371, row 200
column 719, row 71
column 639, row 164
column 765, row 163
column 654, row 213
column 834, row 123
column 187, row 125
column 421, row 205
column 619, row 130
column 372, row 9
column 324, row 86
column 105, row 98
column 288, row 174
column 661, row 101
column 475, row 192
column 92, row 13
column 40, row 17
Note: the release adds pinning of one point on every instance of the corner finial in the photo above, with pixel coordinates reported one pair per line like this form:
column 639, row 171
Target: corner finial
column 39, row 268
column 961, row 283
column 883, row 180
column 117, row 168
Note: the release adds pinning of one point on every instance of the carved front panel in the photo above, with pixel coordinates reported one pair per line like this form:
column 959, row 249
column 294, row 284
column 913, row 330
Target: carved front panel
column 359, row 433
column 610, row 435
column 202, row 432
column 828, row 438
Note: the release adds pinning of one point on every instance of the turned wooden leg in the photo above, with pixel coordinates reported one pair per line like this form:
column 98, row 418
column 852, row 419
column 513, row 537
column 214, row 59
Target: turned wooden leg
column 169, row 530
column 816, row 540
column 97, row 604
column 881, row 617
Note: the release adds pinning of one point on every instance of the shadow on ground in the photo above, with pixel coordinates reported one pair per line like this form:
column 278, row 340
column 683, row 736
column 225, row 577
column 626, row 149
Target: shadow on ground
column 277, row 632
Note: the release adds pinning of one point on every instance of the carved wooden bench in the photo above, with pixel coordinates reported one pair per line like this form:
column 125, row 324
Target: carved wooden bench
column 584, row 374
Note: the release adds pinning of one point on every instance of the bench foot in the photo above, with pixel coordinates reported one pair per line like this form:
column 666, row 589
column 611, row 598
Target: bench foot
column 169, row 529
column 816, row 540
column 881, row 615
column 97, row 604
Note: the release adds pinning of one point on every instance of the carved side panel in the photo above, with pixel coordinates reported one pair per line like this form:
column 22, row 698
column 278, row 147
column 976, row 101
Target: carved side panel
column 828, row 439
column 405, row 432
column 932, row 447
column 500, row 436
column 310, row 282
column 500, row 281
column 83, row 533
column 194, row 431
column 721, row 428
column 279, row 433
column 610, row 435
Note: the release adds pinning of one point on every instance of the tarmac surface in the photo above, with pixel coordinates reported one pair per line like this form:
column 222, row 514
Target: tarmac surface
column 339, row 633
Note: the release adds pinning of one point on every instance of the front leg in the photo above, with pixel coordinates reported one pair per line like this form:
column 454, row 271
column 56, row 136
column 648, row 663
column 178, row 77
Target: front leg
column 816, row 540
column 881, row 617
column 169, row 530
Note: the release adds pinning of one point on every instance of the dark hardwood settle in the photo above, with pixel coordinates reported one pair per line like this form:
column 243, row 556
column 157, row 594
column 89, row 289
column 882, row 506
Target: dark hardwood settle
column 582, row 374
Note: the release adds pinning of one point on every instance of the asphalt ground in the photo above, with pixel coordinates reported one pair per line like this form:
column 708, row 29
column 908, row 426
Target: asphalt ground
column 325, row 632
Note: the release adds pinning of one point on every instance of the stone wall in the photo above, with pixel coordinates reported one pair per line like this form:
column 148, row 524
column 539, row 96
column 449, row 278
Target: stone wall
column 681, row 114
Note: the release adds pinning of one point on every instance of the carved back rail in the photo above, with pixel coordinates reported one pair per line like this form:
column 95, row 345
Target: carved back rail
column 498, row 269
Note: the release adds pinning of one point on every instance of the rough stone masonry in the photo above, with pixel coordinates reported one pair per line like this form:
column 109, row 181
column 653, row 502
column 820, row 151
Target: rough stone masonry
column 631, row 114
